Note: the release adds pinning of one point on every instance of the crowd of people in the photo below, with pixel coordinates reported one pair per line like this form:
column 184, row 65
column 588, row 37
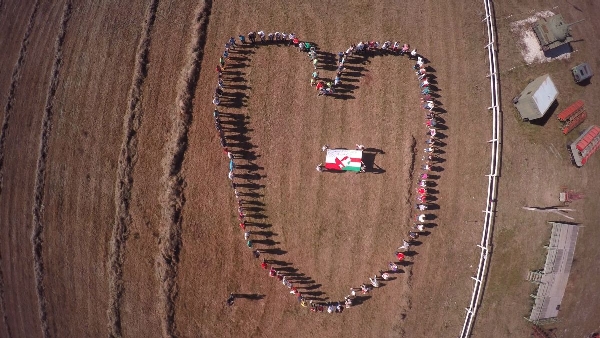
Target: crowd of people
column 428, row 103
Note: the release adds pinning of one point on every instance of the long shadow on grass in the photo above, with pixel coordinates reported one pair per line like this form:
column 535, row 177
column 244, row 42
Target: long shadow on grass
column 249, row 175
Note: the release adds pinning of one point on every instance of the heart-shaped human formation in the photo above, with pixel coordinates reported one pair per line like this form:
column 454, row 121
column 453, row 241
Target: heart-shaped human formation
column 327, row 87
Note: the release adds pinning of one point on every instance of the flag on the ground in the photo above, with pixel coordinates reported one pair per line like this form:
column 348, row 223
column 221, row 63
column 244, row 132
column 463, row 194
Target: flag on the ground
column 343, row 159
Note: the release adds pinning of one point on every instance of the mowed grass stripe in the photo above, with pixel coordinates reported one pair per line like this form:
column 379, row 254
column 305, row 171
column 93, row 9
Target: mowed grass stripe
column 173, row 200
column 40, row 174
column 16, row 75
column 2, row 301
column 132, row 121
column 5, row 122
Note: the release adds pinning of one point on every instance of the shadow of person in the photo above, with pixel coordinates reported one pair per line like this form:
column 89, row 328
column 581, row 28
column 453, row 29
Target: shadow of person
column 375, row 169
column 251, row 296
column 359, row 300
column 375, row 150
column 274, row 251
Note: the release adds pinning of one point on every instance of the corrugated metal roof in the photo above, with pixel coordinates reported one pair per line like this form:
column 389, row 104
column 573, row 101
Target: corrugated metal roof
column 588, row 137
column 545, row 95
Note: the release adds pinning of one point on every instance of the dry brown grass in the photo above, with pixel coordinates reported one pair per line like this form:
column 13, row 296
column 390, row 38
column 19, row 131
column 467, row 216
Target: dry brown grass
column 3, row 132
column 173, row 199
column 3, row 302
column 169, row 226
column 40, row 179
column 13, row 87
column 124, row 182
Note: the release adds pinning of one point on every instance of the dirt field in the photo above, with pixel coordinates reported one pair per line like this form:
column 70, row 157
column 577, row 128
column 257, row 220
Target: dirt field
column 108, row 141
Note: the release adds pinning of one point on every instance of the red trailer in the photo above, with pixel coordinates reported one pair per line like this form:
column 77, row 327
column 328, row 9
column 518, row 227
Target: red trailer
column 585, row 145
column 572, row 116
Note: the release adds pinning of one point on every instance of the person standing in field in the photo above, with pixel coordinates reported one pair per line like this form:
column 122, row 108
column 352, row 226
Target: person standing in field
column 231, row 299
column 384, row 275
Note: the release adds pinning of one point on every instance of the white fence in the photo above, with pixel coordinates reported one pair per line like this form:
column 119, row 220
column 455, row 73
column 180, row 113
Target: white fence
column 492, row 190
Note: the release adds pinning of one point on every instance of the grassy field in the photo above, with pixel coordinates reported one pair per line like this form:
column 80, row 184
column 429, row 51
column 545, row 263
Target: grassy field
column 117, row 217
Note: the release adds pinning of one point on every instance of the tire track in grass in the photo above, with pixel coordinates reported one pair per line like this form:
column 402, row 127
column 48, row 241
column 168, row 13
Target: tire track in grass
column 173, row 180
column 127, row 158
column 40, row 173
column 16, row 75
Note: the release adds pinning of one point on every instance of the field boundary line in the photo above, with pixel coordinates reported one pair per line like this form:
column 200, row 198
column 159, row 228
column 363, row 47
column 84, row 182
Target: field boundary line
column 493, row 176
column 173, row 200
column 16, row 75
column 132, row 121
column 40, row 174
